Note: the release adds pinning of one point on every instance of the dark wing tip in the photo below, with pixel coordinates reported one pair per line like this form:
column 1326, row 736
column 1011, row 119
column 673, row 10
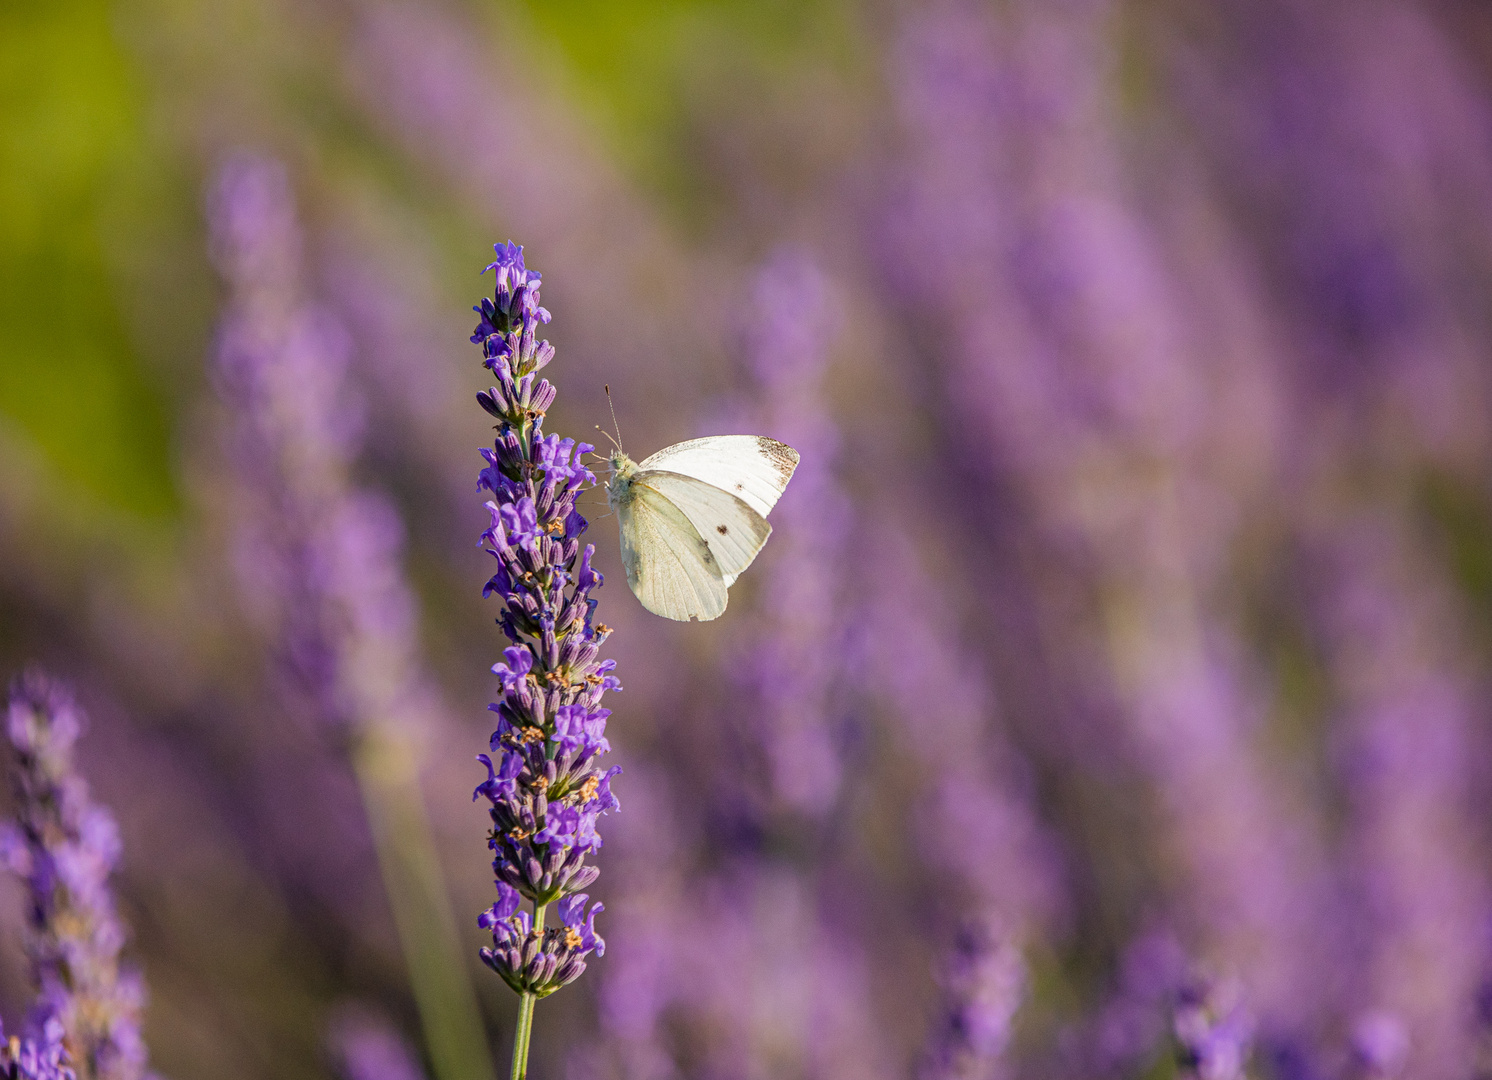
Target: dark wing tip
column 780, row 454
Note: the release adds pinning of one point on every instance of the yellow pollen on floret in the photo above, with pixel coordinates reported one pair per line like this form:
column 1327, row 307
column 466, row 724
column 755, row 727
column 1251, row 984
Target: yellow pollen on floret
column 532, row 735
column 518, row 835
column 587, row 790
column 572, row 938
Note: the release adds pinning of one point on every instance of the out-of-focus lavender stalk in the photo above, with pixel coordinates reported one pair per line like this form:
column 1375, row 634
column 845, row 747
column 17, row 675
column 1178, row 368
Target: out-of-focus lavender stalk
column 793, row 666
column 1076, row 378
column 1334, row 124
column 547, row 787
column 323, row 558
column 87, row 1014
column 978, row 824
column 799, row 999
column 365, row 1047
column 1410, row 836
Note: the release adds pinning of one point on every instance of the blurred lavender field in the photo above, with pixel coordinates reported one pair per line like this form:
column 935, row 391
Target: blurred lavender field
column 1112, row 699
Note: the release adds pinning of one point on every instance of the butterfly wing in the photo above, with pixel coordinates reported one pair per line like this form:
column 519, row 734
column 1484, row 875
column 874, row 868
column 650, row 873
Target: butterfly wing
column 753, row 468
column 671, row 569
column 730, row 528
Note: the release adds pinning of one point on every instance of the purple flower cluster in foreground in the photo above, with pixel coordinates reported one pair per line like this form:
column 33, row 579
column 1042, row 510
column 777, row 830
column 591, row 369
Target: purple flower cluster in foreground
column 546, row 785
column 87, row 1013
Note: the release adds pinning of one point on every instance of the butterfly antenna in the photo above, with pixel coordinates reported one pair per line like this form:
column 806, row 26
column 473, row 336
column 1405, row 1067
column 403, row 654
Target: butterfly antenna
column 614, row 424
column 603, row 431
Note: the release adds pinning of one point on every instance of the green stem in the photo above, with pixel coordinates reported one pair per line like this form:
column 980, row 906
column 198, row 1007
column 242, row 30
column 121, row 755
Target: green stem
column 521, row 1036
column 388, row 776
column 524, row 1031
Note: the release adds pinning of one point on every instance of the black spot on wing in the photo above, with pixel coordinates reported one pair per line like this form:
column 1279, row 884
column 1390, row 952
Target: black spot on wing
column 721, row 529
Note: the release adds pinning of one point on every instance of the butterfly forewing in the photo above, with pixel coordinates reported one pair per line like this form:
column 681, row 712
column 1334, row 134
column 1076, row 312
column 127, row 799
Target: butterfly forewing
column 753, row 468
column 732, row 530
column 669, row 566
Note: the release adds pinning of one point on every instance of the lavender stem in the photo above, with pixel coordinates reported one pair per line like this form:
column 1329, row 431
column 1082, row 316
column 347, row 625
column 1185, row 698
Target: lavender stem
column 405, row 845
column 524, row 1030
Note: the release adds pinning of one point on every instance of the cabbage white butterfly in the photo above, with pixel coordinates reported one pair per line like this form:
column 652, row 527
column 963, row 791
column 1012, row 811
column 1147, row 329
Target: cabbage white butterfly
column 693, row 516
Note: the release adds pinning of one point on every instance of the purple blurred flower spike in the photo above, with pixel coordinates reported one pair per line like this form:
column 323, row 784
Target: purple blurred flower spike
column 319, row 563
column 66, row 847
column 365, row 1046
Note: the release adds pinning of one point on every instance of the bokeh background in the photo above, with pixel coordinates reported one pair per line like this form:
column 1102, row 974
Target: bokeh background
column 1126, row 632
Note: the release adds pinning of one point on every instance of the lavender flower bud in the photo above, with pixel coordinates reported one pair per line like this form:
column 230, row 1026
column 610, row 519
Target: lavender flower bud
column 65, row 846
column 545, row 785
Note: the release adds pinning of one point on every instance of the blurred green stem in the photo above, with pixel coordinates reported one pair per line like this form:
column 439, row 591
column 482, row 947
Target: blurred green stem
column 387, row 770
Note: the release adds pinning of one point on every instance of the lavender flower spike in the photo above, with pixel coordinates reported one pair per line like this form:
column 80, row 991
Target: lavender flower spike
column 65, row 847
column 545, row 782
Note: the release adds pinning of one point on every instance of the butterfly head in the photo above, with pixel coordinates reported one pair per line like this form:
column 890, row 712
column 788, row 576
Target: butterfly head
column 619, row 485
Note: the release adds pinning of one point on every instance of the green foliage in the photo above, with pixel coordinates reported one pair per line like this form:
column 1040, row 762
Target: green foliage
column 669, row 82
column 69, row 382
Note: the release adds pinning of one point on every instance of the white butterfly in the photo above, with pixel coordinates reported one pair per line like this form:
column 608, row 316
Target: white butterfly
column 693, row 516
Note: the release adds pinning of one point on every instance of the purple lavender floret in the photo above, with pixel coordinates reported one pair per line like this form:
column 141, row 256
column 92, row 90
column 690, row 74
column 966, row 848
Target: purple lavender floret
column 545, row 782
column 540, row 962
column 984, row 982
column 41, row 1057
column 1214, row 1031
column 65, row 847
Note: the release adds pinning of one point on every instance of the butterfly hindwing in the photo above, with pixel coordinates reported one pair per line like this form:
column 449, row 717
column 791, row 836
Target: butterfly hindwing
column 732, row 530
column 753, row 468
column 669, row 566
